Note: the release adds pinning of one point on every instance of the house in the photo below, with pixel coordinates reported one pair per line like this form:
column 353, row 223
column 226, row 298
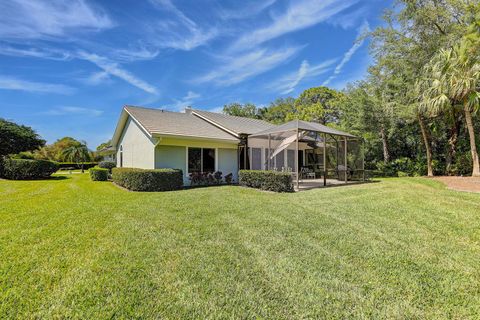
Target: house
column 202, row 141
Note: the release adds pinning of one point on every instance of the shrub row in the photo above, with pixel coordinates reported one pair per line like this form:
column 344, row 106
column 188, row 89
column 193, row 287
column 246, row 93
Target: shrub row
column 23, row 169
column 74, row 165
column 148, row 180
column 266, row 180
column 98, row 174
column 208, row 179
column 405, row 167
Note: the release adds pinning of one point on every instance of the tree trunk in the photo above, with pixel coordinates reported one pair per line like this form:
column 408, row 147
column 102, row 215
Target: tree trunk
column 452, row 143
column 473, row 146
column 426, row 141
column 386, row 153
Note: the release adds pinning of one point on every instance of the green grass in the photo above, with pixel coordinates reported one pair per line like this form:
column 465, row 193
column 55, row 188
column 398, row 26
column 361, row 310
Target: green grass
column 400, row 248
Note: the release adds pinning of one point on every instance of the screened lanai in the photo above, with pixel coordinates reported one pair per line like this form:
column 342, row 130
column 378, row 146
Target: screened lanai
column 313, row 153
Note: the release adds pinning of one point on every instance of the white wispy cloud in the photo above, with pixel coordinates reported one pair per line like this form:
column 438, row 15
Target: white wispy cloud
column 135, row 54
column 302, row 72
column 108, row 66
column 365, row 27
column 185, row 101
column 68, row 110
column 9, row 83
column 43, row 53
column 238, row 68
column 299, row 15
column 114, row 69
column 39, row 19
column 180, row 32
column 97, row 78
column 289, row 82
column 347, row 20
column 246, row 10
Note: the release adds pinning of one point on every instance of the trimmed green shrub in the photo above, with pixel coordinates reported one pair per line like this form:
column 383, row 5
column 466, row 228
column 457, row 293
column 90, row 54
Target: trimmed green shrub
column 23, row 169
column 107, row 165
column 266, row 180
column 2, row 159
column 148, row 180
column 229, row 178
column 74, row 165
column 23, row 155
column 205, row 178
column 98, row 174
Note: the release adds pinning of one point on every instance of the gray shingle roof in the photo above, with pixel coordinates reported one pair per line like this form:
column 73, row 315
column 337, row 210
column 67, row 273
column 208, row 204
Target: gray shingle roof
column 157, row 121
column 238, row 125
column 302, row 125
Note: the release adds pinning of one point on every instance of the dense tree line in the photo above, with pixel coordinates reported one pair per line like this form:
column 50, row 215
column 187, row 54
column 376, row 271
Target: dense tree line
column 417, row 108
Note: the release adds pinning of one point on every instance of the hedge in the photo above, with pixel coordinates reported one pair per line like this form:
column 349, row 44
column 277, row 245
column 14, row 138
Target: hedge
column 74, row 165
column 23, row 169
column 107, row 165
column 148, row 180
column 266, row 180
column 98, row 174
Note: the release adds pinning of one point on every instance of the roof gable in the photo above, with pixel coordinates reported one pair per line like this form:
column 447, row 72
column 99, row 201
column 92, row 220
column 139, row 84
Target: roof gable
column 160, row 122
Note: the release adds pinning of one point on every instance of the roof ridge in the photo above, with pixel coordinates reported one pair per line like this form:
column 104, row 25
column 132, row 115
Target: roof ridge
column 152, row 109
column 228, row 115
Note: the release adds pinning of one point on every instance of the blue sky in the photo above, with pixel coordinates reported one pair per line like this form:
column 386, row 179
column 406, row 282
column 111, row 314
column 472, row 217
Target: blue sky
column 68, row 67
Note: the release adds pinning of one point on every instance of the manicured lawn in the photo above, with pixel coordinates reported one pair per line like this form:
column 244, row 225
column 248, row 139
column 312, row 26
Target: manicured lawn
column 400, row 248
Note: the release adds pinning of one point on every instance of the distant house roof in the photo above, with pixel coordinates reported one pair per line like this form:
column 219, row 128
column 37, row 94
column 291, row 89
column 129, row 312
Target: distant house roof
column 304, row 126
column 160, row 122
column 233, row 124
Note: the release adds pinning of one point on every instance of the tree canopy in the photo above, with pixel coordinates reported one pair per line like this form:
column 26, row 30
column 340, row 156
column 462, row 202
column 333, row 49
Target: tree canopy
column 319, row 104
column 16, row 138
column 247, row 110
column 55, row 151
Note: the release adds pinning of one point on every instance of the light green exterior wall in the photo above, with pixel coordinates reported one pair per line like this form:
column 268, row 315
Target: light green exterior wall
column 228, row 162
column 173, row 157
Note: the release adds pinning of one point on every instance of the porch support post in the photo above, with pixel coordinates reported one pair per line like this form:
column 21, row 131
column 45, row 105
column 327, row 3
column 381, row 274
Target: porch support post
column 245, row 155
column 324, row 159
column 296, row 161
column 268, row 153
column 345, row 164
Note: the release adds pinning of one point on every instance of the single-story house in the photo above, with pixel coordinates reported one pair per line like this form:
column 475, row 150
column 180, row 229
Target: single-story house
column 202, row 141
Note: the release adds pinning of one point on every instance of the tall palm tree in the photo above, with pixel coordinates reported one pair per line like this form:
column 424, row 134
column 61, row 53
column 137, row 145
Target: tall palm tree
column 77, row 153
column 422, row 109
column 454, row 78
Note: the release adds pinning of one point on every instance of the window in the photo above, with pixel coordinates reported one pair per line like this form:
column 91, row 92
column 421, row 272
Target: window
column 256, row 159
column 201, row 160
column 194, row 160
column 291, row 159
column 279, row 160
column 208, row 160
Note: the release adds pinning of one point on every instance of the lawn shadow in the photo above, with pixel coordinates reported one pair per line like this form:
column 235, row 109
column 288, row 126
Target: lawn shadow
column 311, row 185
column 59, row 178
